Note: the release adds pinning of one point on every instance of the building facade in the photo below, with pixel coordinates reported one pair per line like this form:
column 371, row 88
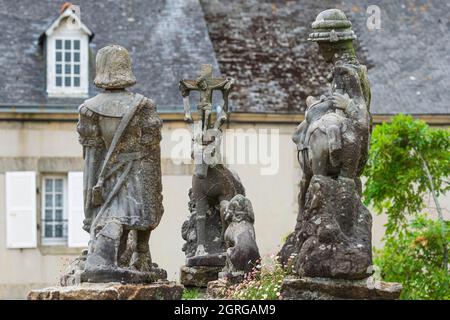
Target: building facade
column 47, row 71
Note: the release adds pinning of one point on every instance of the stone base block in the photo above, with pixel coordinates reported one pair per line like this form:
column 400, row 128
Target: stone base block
column 338, row 289
column 163, row 290
column 211, row 260
column 198, row 276
column 109, row 275
column 217, row 289
column 232, row 278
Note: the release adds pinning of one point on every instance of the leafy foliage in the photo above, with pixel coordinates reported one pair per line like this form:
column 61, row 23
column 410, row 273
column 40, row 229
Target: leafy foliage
column 191, row 294
column 414, row 258
column 408, row 159
column 396, row 181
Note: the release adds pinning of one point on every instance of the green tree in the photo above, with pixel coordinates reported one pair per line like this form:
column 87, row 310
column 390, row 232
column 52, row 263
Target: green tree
column 407, row 160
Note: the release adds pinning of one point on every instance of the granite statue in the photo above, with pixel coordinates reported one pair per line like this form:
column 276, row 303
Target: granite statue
column 242, row 253
column 205, row 84
column 332, row 237
column 120, row 132
column 213, row 184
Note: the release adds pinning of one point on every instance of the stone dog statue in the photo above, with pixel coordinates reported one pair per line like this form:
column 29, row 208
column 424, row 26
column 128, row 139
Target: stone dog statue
column 240, row 239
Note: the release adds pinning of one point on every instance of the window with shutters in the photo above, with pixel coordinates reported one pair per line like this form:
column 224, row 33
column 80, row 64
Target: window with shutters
column 54, row 210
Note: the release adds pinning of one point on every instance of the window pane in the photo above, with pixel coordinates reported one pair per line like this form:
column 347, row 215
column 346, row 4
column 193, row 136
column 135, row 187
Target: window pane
column 48, row 185
column 76, row 56
column 58, row 44
column 76, row 44
column 67, row 68
column 67, row 44
column 67, row 56
column 58, row 81
column 48, row 215
column 58, row 56
column 48, row 200
column 48, row 231
column 58, row 231
column 58, row 69
column 58, row 215
column 58, row 185
column 58, row 200
column 67, row 81
column 76, row 69
column 76, row 81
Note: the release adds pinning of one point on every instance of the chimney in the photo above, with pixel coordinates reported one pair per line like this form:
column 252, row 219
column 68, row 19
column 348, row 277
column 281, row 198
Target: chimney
column 75, row 9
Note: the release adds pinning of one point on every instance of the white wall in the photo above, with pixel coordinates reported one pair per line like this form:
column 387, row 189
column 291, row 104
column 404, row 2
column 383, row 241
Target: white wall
column 274, row 199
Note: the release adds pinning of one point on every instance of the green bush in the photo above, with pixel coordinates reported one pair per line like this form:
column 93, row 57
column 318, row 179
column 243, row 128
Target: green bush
column 413, row 257
column 191, row 294
column 408, row 160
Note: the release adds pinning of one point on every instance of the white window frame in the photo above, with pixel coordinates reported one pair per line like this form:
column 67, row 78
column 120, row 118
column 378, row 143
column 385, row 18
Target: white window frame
column 63, row 32
column 54, row 241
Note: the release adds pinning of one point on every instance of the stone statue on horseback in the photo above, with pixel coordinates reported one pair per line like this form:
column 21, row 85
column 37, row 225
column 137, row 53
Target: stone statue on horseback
column 332, row 236
column 333, row 138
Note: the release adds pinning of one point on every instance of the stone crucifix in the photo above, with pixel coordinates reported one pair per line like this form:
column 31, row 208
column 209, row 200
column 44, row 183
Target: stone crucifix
column 205, row 84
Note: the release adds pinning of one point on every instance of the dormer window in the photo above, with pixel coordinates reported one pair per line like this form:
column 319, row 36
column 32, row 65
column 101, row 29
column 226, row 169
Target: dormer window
column 67, row 63
column 67, row 51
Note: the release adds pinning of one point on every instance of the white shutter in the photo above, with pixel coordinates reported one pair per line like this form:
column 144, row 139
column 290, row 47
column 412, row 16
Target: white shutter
column 77, row 237
column 21, row 210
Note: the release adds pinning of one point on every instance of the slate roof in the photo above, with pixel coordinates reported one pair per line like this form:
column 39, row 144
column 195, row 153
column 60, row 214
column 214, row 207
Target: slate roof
column 168, row 40
column 260, row 43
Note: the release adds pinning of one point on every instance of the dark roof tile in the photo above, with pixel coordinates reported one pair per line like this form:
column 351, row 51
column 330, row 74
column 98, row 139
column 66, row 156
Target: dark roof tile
column 263, row 45
column 168, row 40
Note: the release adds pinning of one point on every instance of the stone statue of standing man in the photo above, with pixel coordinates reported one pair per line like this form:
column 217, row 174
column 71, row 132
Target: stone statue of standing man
column 120, row 132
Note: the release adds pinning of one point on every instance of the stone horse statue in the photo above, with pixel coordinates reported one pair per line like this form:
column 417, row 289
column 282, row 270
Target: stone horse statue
column 328, row 141
column 218, row 187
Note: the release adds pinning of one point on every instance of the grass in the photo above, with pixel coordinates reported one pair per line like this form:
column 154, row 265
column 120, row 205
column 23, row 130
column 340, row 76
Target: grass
column 191, row 294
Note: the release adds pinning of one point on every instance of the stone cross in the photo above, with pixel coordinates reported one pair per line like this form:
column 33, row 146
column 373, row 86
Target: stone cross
column 205, row 84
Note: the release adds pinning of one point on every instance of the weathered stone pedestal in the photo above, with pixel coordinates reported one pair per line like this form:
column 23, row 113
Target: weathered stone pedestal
column 109, row 275
column 163, row 290
column 333, row 234
column 217, row 289
column 198, row 276
column 338, row 289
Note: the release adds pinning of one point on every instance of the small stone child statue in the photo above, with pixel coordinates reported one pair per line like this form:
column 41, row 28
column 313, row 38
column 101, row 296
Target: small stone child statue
column 120, row 132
